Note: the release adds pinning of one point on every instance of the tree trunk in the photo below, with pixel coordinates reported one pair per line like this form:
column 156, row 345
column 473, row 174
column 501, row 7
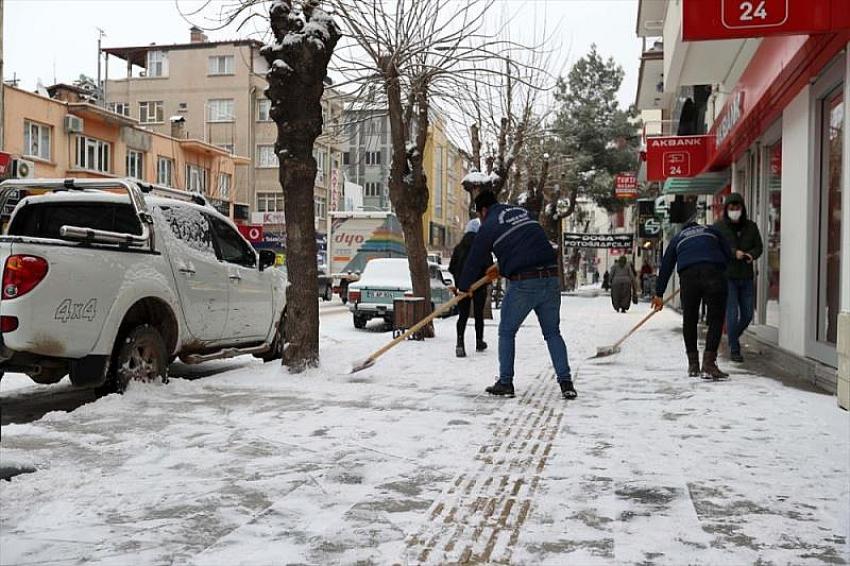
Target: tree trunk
column 298, row 62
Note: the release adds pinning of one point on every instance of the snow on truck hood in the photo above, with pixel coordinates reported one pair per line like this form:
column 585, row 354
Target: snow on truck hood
column 385, row 273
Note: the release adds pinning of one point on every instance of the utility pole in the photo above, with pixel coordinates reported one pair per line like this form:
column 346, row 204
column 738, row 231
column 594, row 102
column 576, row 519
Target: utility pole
column 2, row 84
column 100, row 98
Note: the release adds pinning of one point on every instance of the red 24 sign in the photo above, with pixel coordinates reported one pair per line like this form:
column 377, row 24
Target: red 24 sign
column 743, row 14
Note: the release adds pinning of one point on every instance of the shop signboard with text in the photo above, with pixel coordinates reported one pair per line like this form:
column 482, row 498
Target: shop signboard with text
column 626, row 186
column 675, row 156
column 738, row 19
column 609, row 241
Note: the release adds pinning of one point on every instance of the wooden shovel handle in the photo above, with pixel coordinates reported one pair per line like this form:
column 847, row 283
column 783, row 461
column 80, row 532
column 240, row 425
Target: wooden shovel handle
column 437, row 312
column 641, row 323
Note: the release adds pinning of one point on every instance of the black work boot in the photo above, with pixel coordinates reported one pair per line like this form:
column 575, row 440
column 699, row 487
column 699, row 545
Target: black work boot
column 480, row 345
column 693, row 364
column 501, row 390
column 709, row 367
column 460, row 349
column 568, row 391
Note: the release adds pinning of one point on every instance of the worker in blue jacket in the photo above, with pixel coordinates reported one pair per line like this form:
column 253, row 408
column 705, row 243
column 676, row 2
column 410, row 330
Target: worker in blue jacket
column 525, row 257
column 701, row 254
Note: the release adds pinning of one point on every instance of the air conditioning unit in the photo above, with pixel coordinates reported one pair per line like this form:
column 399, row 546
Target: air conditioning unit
column 73, row 124
column 23, row 169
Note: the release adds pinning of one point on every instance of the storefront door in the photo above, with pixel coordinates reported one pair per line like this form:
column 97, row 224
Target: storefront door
column 772, row 231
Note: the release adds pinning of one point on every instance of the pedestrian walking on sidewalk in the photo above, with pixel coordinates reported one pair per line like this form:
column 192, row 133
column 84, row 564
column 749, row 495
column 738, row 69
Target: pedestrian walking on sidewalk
column 623, row 285
column 744, row 238
column 527, row 258
column 479, row 297
column 701, row 254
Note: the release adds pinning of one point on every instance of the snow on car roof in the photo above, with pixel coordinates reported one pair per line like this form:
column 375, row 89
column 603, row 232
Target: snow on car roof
column 386, row 272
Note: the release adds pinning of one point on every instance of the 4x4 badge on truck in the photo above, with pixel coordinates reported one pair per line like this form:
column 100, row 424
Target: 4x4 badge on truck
column 76, row 311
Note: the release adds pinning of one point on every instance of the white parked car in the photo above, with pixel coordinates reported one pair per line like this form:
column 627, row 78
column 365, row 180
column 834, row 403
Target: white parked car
column 385, row 280
column 110, row 280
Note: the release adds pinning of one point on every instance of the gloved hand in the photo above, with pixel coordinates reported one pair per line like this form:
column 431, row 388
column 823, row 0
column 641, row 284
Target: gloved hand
column 493, row 272
column 657, row 303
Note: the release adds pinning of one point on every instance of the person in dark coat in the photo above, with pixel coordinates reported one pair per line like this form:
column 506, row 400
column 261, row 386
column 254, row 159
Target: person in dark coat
column 701, row 254
column 479, row 297
column 745, row 240
column 623, row 285
column 527, row 258
column 606, row 281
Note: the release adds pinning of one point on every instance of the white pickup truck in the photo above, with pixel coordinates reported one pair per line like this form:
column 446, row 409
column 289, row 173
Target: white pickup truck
column 110, row 280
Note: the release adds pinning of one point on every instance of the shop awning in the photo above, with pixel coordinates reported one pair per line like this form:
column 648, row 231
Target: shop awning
column 703, row 184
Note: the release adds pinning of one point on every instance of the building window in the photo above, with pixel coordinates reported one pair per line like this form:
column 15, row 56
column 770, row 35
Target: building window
column 346, row 158
column 165, row 171
column 438, row 182
column 92, row 154
column 36, row 140
column 224, row 186
column 221, row 65
column 220, row 110
column 151, row 112
column 157, row 64
column 320, row 207
column 373, row 158
column 264, row 106
column 196, row 179
column 135, row 161
column 373, row 189
column 228, row 147
column 321, row 156
column 122, row 108
column 829, row 273
column 269, row 202
column 266, row 158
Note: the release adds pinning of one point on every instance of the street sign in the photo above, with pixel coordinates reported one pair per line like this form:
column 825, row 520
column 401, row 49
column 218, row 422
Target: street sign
column 609, row 241
column 675, row 156
column 737, row 19
column 268, row 218
column 626, row 186
column 650, row 228
column 252, row 232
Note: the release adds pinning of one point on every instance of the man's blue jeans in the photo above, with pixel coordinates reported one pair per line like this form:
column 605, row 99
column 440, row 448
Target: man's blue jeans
column 739, row 311
column 543, row 296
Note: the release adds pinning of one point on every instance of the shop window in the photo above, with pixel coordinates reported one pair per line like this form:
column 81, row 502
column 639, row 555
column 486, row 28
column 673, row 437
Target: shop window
column 774, row 230
column 831, row 137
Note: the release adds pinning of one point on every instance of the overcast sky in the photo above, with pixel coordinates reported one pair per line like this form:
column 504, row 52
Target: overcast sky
column 57, row 39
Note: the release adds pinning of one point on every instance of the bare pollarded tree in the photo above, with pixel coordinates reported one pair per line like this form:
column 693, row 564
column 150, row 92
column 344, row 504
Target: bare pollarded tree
column 408, row 57
column 303, row 39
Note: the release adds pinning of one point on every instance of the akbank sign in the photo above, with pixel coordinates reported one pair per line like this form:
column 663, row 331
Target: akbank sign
column 675, row 156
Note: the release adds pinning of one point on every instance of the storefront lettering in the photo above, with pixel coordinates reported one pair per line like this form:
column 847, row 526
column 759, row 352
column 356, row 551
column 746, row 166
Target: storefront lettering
column 730, row 117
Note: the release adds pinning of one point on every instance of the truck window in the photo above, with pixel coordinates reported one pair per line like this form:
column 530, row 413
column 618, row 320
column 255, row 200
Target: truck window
column 44, row 220
column 231, row 247
column 190, row 227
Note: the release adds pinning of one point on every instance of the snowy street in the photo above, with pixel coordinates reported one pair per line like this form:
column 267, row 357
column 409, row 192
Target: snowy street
column 409, row 462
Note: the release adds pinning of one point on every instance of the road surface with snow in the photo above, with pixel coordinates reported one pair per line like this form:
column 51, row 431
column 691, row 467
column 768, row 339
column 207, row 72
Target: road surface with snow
column 408, row 462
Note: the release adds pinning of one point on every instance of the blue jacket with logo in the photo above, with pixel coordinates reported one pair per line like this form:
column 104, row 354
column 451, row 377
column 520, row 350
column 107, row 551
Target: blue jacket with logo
column 695, row 244
column 519, row 242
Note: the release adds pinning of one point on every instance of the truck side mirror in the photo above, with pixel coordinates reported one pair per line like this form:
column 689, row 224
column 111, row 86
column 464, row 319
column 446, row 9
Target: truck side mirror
column 267, row 259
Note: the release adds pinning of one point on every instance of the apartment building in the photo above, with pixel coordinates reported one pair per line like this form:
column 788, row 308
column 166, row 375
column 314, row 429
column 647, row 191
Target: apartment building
column 58, row 137
column 366, row 154
column 216, row 90
column 766, row 96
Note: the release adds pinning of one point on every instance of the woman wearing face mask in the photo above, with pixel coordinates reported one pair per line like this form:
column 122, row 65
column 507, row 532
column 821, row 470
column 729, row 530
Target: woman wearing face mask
column 745, row 240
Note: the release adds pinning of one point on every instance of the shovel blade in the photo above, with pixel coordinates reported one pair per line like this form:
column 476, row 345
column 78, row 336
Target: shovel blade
column 605, row 351
column 360, row 366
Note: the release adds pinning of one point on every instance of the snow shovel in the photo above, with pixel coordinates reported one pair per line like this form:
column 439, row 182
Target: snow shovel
column 611, row 350
column 445, row 307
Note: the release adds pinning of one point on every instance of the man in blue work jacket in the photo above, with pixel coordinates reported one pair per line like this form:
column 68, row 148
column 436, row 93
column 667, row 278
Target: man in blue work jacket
column 701, row 254
column 526, row 257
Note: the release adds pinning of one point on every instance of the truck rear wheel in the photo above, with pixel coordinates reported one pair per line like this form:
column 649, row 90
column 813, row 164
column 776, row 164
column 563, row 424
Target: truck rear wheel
column 359, row 321
column 140, row 357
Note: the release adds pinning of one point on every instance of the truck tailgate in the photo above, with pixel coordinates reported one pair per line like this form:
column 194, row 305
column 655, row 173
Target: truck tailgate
column 64, row 314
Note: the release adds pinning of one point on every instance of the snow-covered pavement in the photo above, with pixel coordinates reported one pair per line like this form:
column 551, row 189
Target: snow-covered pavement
column 407, row 462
